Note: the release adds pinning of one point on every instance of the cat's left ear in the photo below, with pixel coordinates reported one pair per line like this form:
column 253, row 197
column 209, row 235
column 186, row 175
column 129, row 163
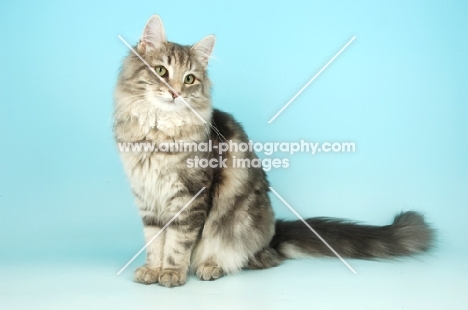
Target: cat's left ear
column 153, row 35
column 204, row 48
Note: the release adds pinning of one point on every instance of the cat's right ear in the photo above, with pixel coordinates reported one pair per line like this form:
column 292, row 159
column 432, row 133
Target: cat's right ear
column 153, row 35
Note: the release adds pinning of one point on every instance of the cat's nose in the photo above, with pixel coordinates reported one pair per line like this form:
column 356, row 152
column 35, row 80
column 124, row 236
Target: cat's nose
column 173, row 93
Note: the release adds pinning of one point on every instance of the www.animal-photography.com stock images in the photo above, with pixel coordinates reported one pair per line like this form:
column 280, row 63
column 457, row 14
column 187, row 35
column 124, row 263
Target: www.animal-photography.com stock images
column 234, row 155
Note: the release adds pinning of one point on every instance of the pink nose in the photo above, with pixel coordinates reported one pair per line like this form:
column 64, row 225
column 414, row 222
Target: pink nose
column 174, row 94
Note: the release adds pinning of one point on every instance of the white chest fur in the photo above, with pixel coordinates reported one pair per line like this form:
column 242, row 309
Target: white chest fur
column 154, row 180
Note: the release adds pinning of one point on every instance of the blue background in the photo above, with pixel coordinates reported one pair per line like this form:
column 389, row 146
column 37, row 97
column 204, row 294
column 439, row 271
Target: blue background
column 399, row 91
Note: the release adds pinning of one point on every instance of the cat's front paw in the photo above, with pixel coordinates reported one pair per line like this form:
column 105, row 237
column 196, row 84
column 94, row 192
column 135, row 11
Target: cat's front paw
column 172, row 277
column 209, row 272
column 147, row 275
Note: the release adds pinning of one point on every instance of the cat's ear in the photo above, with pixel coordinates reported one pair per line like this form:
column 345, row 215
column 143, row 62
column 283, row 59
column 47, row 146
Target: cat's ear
column 204, row 48
column 153, row 35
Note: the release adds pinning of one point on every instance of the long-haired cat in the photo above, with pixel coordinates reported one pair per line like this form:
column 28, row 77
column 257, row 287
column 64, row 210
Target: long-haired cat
column 230, row 225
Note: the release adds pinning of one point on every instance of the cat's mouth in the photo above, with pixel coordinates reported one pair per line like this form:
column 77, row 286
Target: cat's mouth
column 175, row 100
column 171, row 103
column 168, row 100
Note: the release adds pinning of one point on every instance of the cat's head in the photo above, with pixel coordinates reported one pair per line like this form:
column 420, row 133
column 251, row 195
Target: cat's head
column 171, row 75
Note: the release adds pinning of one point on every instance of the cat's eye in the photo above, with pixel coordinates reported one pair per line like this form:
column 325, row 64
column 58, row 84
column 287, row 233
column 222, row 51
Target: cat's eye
column 161, row 71
column 189, row 79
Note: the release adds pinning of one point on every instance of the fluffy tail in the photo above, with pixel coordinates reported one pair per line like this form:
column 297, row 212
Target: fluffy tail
column 408, row 234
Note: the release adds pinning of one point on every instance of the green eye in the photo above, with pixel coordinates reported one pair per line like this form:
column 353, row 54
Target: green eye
column 161, row 71
column 189, row 79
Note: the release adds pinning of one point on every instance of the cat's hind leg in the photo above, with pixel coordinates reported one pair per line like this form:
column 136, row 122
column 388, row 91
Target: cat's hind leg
column 214, row 257
column 231, row 241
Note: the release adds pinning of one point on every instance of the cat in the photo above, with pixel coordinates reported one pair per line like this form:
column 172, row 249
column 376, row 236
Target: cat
column 230, row 225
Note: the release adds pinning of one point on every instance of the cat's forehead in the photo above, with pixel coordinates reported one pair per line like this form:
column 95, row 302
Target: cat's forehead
column 176, row 55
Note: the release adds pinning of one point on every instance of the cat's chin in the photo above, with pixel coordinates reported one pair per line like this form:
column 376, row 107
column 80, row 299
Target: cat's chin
column 168, row 105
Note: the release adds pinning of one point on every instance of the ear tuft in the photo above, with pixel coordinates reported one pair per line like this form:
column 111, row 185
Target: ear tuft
column 153, row 35
column 204, row 48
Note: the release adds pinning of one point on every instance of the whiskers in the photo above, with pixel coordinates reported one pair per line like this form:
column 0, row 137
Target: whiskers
column 123, row 106
column 138, row 106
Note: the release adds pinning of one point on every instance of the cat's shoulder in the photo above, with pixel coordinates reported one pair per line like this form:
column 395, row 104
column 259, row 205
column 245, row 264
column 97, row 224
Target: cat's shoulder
column 226, row 124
